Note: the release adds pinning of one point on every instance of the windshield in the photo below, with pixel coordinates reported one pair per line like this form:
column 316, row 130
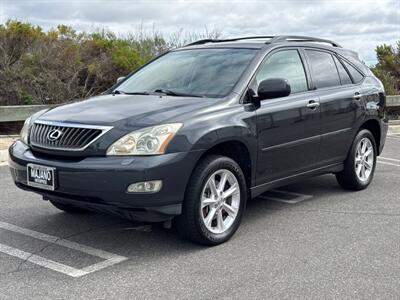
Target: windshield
column 199, row 72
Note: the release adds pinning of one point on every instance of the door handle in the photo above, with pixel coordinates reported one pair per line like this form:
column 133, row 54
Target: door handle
column 312, row 104
column 357, row 96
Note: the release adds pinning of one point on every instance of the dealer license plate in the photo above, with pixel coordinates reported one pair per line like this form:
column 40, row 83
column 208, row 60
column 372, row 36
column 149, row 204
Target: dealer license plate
column 41, row 177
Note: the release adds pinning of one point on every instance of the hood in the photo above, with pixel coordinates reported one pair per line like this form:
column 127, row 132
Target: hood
column 134, row 110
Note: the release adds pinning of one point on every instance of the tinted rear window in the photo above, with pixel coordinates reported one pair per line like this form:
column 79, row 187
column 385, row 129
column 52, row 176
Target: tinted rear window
column 344, row 76
column 323, row 69
column 357, row 76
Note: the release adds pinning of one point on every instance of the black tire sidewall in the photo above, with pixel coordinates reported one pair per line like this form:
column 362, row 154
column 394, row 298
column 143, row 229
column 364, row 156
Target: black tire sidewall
column 213, row 165
column 351, row 159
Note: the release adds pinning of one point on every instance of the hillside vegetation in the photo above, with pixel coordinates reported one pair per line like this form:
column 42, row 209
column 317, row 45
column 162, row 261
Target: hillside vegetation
column 388, row 67
column 60, row 65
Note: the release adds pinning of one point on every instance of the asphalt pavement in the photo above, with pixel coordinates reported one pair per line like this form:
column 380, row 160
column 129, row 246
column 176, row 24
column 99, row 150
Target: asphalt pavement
column 309, row 240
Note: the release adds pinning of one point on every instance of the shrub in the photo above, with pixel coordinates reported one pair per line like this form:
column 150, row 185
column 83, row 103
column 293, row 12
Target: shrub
column 38, row 67
column 388, row 67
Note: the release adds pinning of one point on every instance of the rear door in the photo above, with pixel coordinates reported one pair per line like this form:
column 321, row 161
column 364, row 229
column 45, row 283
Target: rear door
column 338, row 97
column 288, row 127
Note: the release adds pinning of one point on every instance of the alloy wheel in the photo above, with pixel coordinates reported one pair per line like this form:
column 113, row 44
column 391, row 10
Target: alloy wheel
column 364, row 161
column 220, row 201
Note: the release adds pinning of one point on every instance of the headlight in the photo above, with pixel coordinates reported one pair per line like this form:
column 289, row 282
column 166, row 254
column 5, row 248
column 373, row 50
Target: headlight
column 25, row 131
column 146, row 141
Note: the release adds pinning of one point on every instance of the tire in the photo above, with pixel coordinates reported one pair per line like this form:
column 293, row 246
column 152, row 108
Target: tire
column 68, row 208
column 197, row 224
column 351, row 178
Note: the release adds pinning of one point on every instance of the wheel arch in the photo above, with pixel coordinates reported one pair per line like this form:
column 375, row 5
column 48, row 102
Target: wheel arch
column 374, row 127
column 238, row 151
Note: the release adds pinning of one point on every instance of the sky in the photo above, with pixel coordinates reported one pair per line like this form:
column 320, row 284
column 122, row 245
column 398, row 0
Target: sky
column 359, row 25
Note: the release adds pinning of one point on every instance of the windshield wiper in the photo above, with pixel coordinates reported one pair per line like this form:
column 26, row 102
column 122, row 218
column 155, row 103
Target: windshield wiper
column 132, row 93
column 177, row 94
column 162, row 91
column 117, row 92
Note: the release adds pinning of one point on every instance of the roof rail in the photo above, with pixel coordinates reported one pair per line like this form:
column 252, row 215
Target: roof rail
column 299, row 38
column 205, row 41
column 271, row 40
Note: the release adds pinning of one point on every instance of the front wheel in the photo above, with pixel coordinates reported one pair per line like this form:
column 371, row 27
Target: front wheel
column 359, row 167
column 214, row 202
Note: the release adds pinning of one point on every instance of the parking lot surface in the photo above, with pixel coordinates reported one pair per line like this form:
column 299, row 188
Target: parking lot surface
column 307, row 240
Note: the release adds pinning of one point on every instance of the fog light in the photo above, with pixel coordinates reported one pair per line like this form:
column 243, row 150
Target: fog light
column 145, row 187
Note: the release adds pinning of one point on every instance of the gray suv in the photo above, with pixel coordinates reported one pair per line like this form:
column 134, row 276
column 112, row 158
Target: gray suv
column 197, row 132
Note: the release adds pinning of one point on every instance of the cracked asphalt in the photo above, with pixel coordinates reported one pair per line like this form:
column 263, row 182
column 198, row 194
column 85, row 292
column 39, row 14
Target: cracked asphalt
column 337, row 244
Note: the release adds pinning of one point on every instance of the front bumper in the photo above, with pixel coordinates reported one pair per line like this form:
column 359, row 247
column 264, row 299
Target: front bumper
column 100, row 183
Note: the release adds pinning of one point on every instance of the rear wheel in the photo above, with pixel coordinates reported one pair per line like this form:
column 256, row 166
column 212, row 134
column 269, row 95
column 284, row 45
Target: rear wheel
column 214, row 202
column 68, row 208
column 359, row 167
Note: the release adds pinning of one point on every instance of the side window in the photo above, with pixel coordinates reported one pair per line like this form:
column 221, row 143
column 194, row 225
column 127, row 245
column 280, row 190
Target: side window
column 323, row 69
column 357, row 76
column 344, row 76
column 285, row 64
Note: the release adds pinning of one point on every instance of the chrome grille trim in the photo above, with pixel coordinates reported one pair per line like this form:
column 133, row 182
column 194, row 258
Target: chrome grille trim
column 75, row 137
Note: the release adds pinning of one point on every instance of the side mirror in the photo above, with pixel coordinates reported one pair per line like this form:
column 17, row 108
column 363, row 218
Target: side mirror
column 120, row 78
column 273, row 88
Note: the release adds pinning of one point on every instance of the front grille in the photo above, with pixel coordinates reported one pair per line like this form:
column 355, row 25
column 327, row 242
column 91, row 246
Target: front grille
column 64, row 136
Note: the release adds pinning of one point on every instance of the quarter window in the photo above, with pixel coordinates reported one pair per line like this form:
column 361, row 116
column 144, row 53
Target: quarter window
column 357, row 76
column 285, row 64
column 344, row 76
column 323, row 69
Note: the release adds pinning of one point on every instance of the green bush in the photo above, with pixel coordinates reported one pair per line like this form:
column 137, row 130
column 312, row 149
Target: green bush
column 60, row 65
column 388, row 67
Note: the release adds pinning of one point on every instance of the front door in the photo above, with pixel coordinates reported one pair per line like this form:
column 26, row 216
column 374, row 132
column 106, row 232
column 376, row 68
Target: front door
column 288, row 127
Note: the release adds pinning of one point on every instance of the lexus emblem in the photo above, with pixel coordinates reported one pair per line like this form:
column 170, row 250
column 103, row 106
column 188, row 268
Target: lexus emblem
column 54, row 135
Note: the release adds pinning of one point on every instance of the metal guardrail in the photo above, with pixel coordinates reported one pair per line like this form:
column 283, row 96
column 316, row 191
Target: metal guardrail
column 393, row 101
column 21, row 112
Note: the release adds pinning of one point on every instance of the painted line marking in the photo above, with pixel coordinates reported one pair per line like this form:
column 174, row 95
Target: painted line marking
column 389, row 161
column 109, row 258
column 387, row 158
column 41, row 261
column 390, row 164
column 298, row 197
column 393, row 137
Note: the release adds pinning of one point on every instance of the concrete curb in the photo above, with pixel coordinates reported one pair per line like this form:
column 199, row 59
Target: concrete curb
column 394, row 129
column 394, row 122
column 5, row 142
column 3, row 157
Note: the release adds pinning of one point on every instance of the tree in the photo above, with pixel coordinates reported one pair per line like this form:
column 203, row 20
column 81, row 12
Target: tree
column 388, row 67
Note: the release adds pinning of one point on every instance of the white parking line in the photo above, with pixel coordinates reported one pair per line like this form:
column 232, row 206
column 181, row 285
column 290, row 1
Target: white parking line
column 389, row 161
column 393, row 137
column 110, row 258
column 387, row 158
column 297, row 197
column 41, row 261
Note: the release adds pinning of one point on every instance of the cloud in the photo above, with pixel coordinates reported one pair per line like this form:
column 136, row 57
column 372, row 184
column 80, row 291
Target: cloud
column 358, row 25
